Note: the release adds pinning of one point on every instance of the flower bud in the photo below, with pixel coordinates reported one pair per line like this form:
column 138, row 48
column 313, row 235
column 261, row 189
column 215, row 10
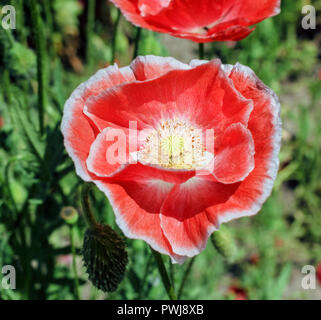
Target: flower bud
column 105, row 257
column 223, row 242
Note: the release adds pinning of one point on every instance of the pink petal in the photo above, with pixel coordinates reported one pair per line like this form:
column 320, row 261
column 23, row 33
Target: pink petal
column 79, row 133
column 265, row 126
column 150, row 67
column 149, row 186
column 184, row 220
column 202, row 95
column 135, row 222
column 234, row 159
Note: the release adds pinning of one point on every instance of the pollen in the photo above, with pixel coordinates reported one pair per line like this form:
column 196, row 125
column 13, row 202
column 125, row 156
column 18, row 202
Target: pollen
column 174, row 144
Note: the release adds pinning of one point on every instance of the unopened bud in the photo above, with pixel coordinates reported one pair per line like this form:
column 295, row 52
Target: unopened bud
column 105, row 257
column 223, row 242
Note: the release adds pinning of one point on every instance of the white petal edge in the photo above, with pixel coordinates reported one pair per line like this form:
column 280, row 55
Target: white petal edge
column 272, row 171
column 70, row 105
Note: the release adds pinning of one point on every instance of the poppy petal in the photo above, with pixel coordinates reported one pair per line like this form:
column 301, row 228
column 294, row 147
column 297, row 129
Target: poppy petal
column 149, row 67
column 109, row 152
column 184, row 218
column 265, row 126
column 202, row 95
column 137, row 223
column 218, row 20
column 79, row 133
column 148, row 186
column 234, row 159
column 152, row 7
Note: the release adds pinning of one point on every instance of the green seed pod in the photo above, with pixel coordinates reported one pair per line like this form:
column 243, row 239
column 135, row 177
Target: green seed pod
column 69, row 214
column 223, row 242
column 21, row 61
column 105, row 257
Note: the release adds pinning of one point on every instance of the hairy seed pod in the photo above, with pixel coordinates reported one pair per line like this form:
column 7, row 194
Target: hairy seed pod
column 105, row 257
column 223, row 242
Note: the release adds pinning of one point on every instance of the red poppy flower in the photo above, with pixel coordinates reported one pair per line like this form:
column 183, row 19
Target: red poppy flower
column 174, row 203
column 200, row 21
column 238, row 292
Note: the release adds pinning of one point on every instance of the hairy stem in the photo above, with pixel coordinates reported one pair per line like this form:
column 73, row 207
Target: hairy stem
column 86, row 205
column 74, row 264
column 114, row 37
column 40, row 49
column 185, row 276
column 201, row 51
column 90, row 29
column 164, row 276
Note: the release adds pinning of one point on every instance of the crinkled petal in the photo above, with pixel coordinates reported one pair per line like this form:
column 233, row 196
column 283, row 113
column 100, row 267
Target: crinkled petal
column 183, row 218
column 234, row 158
column 202, row 95
column 149, row 186
column 219, row 20
column 78, row 131
column 135, row 222
column 265, row 127
column 150, row 67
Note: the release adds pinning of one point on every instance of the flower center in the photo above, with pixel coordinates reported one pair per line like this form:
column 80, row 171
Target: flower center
column 174, row 144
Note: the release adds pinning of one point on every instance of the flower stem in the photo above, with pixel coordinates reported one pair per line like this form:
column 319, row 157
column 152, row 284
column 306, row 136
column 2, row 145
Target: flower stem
column 201, row 51
column 86, row 205
column 185, row 276
column 90, row 29
column 137, row 39
column 164, row 276
column 41, row 65
column 74, row 265
column 114, row 38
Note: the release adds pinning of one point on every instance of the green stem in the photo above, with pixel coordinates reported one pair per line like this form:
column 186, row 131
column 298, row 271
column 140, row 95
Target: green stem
column 8, row 180
column 20, row 21
column 201, row 51
column 137, row 39
column 90, row 29
column 114, row 37
column 86, row 205
column 6, row 87
column 164, row 276
column 172, row 273
column 50, row 26
column 185, row 276
column 74, row 264
column 145, row 275
column 40, row 48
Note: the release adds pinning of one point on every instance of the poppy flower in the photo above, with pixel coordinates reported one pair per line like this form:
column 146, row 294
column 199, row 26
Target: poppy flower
column 174, row 194
column 238, row 292
column 200, row 21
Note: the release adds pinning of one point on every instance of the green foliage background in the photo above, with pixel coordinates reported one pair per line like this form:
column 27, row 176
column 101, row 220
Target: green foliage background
column 37, row 178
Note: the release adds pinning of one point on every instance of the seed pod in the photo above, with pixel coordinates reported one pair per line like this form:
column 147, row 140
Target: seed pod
column 223, row 242
column 105, row 257
column 69, row 214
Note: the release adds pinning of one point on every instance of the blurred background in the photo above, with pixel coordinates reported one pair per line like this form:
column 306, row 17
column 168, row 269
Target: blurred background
column 70, row 40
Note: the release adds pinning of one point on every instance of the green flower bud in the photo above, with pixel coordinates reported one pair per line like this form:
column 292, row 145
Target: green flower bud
column 223, row 242
column 69, row 214
column 105, row 257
